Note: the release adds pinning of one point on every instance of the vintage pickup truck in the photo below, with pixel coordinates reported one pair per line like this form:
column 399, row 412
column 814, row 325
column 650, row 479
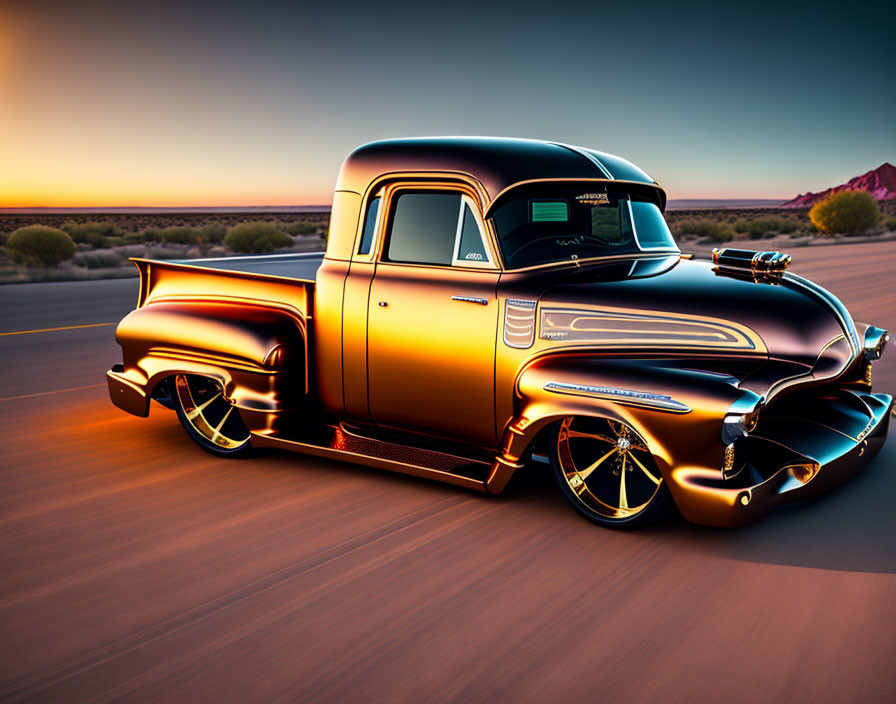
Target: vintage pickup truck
column 488, row 304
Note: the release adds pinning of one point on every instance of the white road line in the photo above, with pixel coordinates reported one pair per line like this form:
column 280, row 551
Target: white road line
column 48, row 393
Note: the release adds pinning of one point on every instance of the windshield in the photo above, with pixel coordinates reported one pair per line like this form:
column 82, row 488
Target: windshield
column 553, row 227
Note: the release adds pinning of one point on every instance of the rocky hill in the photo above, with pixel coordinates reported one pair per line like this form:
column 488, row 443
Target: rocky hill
column 881, row 183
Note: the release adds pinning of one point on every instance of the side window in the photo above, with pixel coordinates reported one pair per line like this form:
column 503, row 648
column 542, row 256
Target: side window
column 470, row 245
column 369, row 226
column 653, row 232
column 424, row 228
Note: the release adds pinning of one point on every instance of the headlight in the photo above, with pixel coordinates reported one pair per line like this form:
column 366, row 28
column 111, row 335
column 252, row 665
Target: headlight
column 875, row 342
column 742, row 417
column 736, row 426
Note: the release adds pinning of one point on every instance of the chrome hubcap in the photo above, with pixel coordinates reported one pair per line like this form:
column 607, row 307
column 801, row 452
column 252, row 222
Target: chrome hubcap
column 608, row 466
column 208, row 412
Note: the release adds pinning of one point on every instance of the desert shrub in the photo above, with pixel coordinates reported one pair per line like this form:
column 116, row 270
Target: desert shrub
column 150, row 234
column 715, row 231
column 299, row 229
column 256, row 238
column 212, row 233
column 890, row 224
column 97, row 260
column 846, row 213
column 767, row 226
column 95, row 234
column 132, row 238
column 40, row 246
column 179, row 234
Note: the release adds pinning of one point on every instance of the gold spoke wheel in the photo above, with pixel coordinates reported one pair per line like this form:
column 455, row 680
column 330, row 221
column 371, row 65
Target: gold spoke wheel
column 213, row 420
column 607, row 467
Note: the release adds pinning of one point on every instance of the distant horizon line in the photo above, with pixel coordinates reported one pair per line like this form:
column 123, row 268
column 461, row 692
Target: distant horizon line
column 147, row 209
column 50, row 209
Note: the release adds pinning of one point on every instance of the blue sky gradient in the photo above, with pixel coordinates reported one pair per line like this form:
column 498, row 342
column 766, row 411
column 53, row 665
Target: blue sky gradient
column 155, row 103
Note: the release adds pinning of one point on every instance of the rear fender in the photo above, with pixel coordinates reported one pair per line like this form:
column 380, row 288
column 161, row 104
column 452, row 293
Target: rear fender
column 257, row 354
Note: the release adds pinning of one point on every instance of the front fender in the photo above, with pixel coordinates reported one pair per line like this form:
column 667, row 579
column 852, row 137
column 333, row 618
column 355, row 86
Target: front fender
column 679, row 412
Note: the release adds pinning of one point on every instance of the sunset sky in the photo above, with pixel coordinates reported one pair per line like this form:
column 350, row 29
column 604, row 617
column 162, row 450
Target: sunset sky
column 254, row 103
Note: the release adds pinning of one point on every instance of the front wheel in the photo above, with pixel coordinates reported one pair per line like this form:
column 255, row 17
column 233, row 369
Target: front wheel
column 209, row 418
column 605, row 470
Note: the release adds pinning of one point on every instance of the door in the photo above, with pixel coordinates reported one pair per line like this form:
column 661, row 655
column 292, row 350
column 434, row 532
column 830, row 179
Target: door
column 432, row 320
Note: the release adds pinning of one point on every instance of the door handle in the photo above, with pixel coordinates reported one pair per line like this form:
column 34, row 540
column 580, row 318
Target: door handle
column 383, row 304
column 470, row 299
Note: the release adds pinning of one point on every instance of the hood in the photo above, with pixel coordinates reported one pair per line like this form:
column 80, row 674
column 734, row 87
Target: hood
column 665, row 304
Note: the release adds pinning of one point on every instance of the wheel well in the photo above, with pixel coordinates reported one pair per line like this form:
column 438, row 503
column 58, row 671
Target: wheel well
column 162, row 392
column 541, row 443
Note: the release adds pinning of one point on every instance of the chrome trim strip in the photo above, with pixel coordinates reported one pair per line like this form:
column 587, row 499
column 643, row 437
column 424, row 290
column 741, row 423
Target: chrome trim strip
column 624, row 396
column 470, row 299
column 520, row 304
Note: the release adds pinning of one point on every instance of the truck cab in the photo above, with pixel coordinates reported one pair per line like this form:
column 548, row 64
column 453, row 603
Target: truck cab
column 419, row 278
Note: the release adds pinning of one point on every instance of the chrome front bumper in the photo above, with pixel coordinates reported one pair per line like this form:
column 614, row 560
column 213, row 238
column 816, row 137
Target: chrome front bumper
column 801, row 448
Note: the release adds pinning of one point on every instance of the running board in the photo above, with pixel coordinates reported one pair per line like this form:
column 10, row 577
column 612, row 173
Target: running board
column 335, row 443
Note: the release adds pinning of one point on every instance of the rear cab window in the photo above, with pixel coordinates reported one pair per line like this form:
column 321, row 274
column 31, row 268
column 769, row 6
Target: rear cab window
column 373, row 211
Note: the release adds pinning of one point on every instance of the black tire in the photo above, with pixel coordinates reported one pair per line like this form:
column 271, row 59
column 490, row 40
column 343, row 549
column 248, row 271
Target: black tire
column 209, row 419
column 594, row 438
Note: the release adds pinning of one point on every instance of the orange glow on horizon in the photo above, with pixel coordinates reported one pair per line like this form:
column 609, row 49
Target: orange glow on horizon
column 97, row 199
column 53, row 181
column 88, row 197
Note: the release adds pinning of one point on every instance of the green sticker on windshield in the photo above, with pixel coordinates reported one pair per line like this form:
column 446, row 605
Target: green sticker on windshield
column 550, row 211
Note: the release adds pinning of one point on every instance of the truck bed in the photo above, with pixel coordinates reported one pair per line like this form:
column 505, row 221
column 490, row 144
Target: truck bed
column 216, row 309
column 300, row 265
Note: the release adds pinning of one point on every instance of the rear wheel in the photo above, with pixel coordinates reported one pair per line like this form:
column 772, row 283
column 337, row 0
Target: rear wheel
column 605, row 470
column 207, row 416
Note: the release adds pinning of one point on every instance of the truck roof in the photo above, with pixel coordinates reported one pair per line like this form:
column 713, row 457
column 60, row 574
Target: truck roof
column 497, row 163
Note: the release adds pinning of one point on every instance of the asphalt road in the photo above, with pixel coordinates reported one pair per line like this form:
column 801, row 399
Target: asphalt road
column 133, row 565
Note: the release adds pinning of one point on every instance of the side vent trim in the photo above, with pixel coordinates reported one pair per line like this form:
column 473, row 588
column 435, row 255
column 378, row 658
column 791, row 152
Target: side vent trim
column 519, row 323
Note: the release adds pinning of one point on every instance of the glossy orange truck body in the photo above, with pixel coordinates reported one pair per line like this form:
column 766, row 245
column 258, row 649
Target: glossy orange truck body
column 733, row 385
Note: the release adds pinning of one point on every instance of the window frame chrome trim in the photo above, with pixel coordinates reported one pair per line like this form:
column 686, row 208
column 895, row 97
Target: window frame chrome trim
column 370, row 256
column 487, row 263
